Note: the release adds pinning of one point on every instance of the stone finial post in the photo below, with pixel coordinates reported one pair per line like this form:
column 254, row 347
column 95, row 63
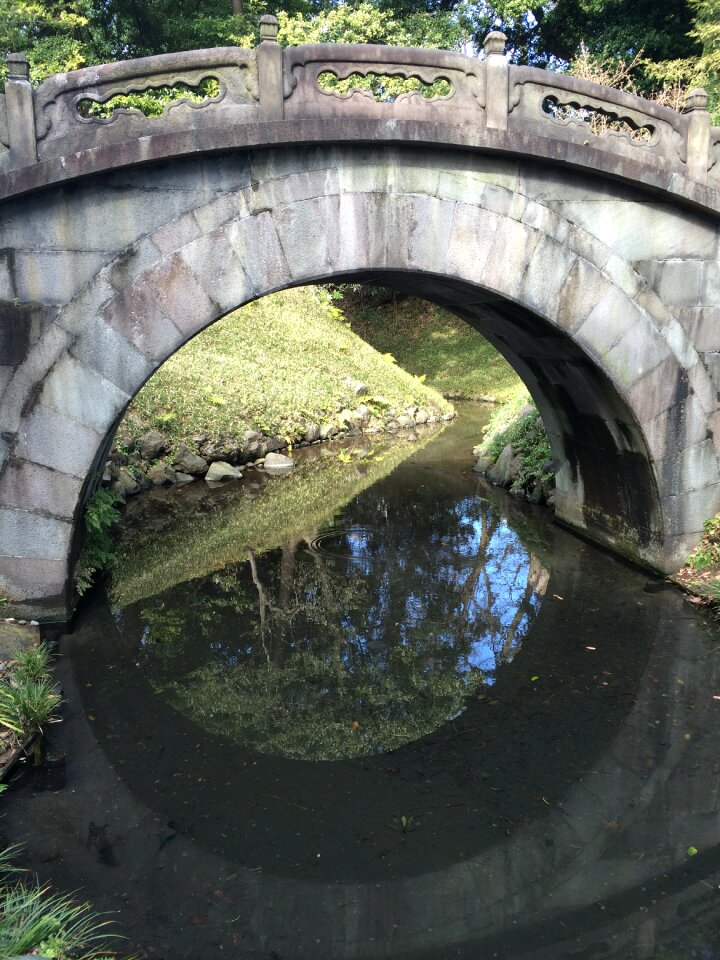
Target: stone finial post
column 698, row 134
column 270, row 70
column 20, row 112
column 497, row 84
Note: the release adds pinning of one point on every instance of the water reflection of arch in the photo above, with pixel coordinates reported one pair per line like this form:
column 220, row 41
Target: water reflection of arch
column 577, row 860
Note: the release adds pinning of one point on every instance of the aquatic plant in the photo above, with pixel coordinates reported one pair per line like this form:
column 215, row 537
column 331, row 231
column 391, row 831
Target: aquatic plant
column 27, row 705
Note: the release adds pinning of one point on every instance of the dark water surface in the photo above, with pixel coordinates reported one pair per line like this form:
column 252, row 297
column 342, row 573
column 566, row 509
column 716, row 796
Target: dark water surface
column 378, row 709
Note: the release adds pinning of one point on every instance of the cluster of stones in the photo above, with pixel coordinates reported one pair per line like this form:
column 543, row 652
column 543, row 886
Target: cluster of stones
column 153, row 460
column 507, row 471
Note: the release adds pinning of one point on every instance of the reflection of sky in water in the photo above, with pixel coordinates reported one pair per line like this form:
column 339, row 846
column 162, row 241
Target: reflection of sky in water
column 388, row 619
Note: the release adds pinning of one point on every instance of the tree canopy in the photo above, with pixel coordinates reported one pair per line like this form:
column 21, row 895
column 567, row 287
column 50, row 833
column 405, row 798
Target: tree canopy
column 676, row 42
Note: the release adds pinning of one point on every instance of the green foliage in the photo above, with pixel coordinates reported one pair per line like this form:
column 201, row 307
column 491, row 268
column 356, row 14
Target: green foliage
column 27, row 705
column 34, row 920
column 101, row 513
column 365, row 22
column 707, row 553
column 55, row 36
column 32, row 664
column 384, row 88
column 153, row 101
column 28, row 697
column 518, row 423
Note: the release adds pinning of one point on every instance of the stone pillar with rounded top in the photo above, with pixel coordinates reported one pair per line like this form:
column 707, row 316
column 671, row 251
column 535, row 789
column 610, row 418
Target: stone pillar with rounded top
column 497, row 81
column 20, row 111
column 270, row 69
column 698, row 134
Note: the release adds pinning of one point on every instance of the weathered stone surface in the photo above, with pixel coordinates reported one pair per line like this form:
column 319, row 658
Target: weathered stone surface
column 611, row 328
column 188, row 462
column 152, row 445
column 126, row 484
column 277, row 464
column 161, row 474
column 506, row 467
column 218, row 470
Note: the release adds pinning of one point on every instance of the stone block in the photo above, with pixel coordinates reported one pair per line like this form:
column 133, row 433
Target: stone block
column 638, row 230
column 419, row 229
column 513, row 246
column 693, row 468
column 103, row 349
column 30, row 486
column 702, row 386
column 711, row 282
column 471, row 240
column 256, row 242
column 131, row 262
column 678, row 283
column 136, row 314
column 608, row 322
column 546, row 276
column 584, row 289
column 680, row 426
column 657, row 391
column 211, row 216
column 640, row 349
column 624, row 276
column 32, row 578
column 7, row 284
column 30, row 374
column 15, row 637
column 546, row 220
column 80, row 393
column 685, row 513
column 702, row 326
column 51, row 440
column 504, row 202
column 175, row 234
column 54, row 277
column 306, row 231
column 77, row 315
column 31, row 536
column 215, row 264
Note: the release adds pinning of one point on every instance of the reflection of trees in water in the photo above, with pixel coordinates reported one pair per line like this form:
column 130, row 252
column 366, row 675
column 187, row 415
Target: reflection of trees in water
column 375, row 640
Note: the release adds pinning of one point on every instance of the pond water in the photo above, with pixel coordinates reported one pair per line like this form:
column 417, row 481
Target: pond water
column 379, row 709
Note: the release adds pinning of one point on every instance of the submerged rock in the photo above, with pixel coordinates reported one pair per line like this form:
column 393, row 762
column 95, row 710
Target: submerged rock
column 219, row 470
column 277, row 464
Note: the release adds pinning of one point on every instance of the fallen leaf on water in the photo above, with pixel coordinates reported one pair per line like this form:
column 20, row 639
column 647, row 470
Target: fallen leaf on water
column 533, row 679
column 610, row 824
column 355, row 725
column 692, row 851
column 556, row 596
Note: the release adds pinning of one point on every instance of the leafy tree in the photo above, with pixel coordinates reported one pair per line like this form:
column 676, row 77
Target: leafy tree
column 54, row 36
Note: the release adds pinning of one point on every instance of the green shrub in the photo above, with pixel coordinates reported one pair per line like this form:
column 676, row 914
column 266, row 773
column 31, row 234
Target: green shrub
column 101, row 514
column 27, row 705
column 707, row 553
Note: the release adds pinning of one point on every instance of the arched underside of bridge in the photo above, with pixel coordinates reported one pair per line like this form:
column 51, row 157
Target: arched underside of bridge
column 153, row 255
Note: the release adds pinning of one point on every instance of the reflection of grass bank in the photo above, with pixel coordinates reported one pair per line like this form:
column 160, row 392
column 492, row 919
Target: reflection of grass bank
column 196, row 543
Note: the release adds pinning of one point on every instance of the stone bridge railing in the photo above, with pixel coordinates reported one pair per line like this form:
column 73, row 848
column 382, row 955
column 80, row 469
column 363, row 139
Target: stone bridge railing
column 47, row 134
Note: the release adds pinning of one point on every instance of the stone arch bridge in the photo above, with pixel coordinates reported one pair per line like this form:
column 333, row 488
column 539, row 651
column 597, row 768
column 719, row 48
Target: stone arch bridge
column 574, row 225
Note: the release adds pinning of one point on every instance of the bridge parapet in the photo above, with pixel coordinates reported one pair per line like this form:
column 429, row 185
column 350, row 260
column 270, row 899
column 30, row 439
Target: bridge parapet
column 485, row 104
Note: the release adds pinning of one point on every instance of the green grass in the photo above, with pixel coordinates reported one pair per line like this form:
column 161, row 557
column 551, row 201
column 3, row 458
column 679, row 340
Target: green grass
column 276, row 366
column 431, row 342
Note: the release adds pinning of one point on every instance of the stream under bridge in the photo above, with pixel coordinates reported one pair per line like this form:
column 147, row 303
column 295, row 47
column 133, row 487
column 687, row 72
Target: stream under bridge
column 574, row 225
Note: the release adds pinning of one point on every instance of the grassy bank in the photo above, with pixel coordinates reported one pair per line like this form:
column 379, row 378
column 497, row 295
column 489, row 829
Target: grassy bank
column 275, row 366
column 431, row 342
